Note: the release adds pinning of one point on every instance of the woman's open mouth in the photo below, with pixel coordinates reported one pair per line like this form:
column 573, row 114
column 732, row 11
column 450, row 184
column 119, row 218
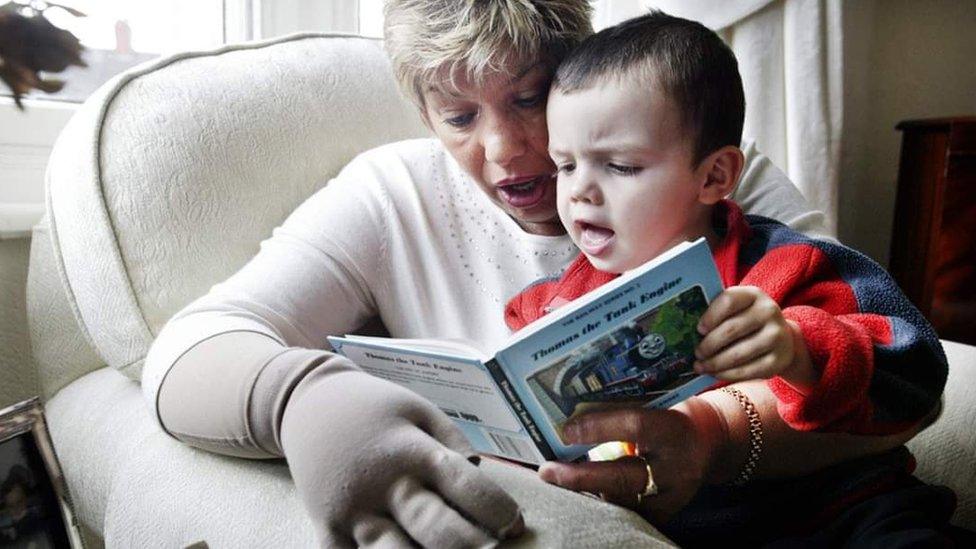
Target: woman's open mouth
column 524, row 193
column 594, row 239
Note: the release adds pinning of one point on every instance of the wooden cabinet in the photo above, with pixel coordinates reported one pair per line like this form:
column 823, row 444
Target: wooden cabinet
column 933, row 246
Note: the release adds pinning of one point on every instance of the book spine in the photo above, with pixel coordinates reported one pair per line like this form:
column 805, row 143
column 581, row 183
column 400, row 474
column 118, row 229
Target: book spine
column 520, row 411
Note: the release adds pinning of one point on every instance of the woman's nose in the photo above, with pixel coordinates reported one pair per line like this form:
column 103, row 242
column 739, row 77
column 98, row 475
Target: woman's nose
column 503, row 139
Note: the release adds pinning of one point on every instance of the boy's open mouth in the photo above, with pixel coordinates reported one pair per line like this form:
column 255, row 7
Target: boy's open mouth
column 594, row 239
column 526, row 193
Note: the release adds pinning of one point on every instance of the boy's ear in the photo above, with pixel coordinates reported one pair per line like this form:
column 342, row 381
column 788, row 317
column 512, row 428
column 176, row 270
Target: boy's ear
column 720, row 172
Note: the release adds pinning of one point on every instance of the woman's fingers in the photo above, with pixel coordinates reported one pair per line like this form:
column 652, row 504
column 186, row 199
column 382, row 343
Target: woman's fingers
column 449, row 467
column 467, row 488
column 677, row 444
column 380, row 533
column 632, row 424
column 430, row 521
column 622, row 480
column 618, row 481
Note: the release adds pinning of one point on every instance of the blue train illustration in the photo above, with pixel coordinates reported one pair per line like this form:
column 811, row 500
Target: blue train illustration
column 627, row 364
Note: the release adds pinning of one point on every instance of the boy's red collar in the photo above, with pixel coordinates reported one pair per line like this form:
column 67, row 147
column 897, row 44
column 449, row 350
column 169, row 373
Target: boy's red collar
column 581, row 276
column 730, row 223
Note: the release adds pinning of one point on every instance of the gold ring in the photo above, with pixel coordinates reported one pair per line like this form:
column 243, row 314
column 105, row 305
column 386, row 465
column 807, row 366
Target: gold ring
column 650, row 489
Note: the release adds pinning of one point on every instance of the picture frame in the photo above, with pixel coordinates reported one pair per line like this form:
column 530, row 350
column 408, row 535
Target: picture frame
column 36, row 509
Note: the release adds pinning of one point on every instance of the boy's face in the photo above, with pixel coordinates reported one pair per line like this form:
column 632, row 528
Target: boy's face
column 626, row 186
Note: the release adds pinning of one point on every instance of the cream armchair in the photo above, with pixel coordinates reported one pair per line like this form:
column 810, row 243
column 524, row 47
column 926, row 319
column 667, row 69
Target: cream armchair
column 164, row 183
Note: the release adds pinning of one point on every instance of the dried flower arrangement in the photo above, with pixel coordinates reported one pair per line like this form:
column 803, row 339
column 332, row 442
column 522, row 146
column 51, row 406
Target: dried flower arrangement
column 30, row 44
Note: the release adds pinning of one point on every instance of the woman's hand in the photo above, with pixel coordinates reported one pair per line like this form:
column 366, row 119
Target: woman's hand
column 680, row 445
column 377, row 465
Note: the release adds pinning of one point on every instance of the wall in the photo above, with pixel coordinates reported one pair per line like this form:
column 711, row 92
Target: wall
column 26, row 138
column 917, row 60
column 17, row 380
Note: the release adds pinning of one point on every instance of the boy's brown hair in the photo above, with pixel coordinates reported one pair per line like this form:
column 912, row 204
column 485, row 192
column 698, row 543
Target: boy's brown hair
column 689, row 62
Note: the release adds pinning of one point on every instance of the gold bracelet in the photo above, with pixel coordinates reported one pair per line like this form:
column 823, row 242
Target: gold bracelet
column 755, row 435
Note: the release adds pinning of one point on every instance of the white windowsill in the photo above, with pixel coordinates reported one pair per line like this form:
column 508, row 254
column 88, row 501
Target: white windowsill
column 16, row 220
column 26, row 139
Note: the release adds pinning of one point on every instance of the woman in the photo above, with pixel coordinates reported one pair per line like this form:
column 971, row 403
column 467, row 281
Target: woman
column 433, row 236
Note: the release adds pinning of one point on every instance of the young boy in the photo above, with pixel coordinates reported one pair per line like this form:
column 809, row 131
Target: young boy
column 644, row 125
column 644, row 120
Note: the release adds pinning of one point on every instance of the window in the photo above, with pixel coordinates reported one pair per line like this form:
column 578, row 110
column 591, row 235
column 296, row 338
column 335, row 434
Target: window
column 371, row 18
column 119, row 34
column 116, row 34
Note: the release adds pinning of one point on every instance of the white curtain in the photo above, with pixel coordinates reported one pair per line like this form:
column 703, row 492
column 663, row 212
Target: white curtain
column 790, row 55
column 255, row 19
column 791, row 58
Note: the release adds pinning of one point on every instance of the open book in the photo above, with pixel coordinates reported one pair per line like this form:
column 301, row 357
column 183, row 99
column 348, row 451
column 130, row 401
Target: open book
column 631, row 340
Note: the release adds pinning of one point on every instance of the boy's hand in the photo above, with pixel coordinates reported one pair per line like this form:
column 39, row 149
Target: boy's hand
column 746, row 337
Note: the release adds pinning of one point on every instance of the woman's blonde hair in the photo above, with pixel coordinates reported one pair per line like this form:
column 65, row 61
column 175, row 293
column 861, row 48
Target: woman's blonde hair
column 432, row 42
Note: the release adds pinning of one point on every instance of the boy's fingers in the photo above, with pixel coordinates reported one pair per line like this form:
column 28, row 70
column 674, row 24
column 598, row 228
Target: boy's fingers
column 761, row 367
column 727, row 333
column 737, row 354
column 728, row 303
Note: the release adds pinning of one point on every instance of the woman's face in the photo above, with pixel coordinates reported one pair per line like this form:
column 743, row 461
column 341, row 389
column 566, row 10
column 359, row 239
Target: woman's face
column 497, row 133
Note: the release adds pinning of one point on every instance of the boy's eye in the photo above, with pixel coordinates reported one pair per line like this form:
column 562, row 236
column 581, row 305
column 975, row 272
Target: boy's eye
column 566, row 168
column 623, row 170
column 530, row 101
column 460, row 121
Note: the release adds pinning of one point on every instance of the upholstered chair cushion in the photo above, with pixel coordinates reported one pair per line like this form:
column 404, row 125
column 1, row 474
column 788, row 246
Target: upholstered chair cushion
column 168, row 178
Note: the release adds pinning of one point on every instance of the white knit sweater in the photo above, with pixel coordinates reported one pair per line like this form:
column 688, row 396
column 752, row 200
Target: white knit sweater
column 404, row 233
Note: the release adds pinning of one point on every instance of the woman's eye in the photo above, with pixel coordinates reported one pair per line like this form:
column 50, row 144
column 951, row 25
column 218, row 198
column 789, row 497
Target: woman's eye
column 530, row 101
column 623, row 170
column 460, row 121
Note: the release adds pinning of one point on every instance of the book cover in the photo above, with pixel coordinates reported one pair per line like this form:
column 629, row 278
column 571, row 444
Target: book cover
column 629, row 341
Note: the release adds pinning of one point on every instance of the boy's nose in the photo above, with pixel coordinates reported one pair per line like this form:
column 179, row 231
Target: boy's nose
column 585, row 187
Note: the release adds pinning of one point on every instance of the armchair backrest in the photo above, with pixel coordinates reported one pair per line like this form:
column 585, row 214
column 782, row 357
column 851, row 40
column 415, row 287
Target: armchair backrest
column 169, row 177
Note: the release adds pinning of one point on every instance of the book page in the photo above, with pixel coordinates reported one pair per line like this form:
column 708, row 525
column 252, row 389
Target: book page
column 585, row 301
column 446, row 346
column 630, row 342
column 460, row 386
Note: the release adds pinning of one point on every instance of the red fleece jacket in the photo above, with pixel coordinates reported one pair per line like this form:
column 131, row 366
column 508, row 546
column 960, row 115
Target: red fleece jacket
column 881, row 366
